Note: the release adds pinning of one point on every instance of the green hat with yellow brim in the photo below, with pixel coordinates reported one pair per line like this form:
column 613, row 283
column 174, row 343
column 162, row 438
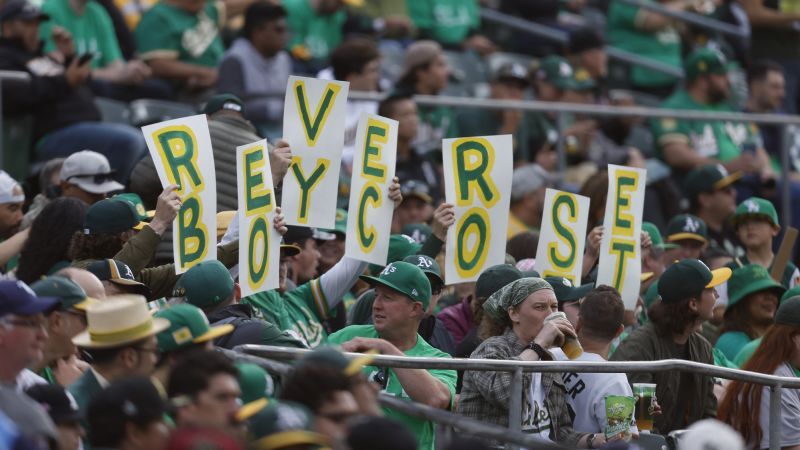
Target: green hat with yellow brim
column 188, row 325
column 331, row 357
column 705, row 61
column 406, row 279
column 70, row 295
column 645, row 276
column 283, row 424
column 748, row 280
column 254, row 382
column 289, row 249
column 655, row 236
column 688, row 278
column 145, row 215
column 687, row 227
column 756, row 207
column 708, row 178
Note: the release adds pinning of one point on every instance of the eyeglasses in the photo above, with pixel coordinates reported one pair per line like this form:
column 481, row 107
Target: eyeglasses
column 96, row 177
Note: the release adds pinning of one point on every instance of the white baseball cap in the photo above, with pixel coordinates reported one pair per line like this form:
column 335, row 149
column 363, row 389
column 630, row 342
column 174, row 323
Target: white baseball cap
column 710, row 434
column 90, row 171
column 7, row 185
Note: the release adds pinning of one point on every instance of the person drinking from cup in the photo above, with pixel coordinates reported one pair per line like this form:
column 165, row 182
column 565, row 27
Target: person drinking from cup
column 687, row 292
column 515, row 328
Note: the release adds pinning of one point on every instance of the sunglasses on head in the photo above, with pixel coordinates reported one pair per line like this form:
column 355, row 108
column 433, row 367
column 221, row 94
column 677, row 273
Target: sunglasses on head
column 96, row 177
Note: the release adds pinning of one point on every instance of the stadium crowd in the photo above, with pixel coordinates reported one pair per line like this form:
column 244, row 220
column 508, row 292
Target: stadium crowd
column 103, row 345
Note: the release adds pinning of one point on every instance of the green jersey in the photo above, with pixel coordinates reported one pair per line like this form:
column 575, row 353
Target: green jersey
column 166, row 31
column 423, row 429
column 300, row 311
column 711, row 138
column 92, row 31
column 320, row 34
column 447, row 21
column 731, row 342
column 663, row 46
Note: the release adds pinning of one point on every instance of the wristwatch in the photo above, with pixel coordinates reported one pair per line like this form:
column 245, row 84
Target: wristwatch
column 590, row 440
column 539, row 350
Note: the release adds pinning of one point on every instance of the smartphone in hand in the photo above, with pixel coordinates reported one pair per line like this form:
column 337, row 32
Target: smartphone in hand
column 85, row 58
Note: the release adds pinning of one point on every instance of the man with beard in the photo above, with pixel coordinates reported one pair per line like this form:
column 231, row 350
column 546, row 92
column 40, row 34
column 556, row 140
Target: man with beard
column 11, row 199
column 688, row 144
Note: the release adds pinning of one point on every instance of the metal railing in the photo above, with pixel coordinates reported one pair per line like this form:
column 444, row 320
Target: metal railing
column 787, row 122
column 698, row 20
column 775, row 383
column 562, row 37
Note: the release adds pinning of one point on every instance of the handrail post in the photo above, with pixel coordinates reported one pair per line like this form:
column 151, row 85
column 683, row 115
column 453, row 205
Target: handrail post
column 561, row 125
column 786, row 184
column 515, row 404
column 775, row 418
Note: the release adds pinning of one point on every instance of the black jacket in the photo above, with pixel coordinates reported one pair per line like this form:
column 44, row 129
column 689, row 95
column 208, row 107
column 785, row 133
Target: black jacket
column 249, row 329
column 53, row 103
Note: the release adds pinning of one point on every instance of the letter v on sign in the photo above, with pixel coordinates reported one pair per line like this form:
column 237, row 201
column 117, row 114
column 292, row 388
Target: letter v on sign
column 313, row 125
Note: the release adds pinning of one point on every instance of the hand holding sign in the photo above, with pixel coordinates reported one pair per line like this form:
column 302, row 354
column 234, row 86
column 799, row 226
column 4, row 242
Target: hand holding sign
column 167, row 207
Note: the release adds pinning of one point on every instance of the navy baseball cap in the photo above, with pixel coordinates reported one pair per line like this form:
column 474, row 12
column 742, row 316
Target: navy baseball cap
column 21, row 9
column 19, row 299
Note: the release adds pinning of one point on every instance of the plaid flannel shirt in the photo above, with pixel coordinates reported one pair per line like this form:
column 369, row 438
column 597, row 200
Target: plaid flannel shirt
column 486, row 396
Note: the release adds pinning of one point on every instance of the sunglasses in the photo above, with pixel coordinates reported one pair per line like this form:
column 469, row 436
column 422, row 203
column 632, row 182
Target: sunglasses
column 98, row 178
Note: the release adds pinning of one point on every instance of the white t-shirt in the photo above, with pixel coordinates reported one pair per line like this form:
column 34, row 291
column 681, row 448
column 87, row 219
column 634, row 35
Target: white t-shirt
column 586, row 393
column 536, row 416
column 790, row 412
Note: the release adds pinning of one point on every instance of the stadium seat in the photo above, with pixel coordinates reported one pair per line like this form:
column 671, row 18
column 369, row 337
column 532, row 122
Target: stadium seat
column 113, row 111
column 466, row 69
column 147, row 111
column 648, row 441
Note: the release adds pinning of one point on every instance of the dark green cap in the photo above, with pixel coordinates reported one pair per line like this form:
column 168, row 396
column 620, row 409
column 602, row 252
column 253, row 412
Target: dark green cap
column 567, row 292
column 494, row 278
column 401, row 246
column 417, row 231
column 205, row 285
column 708, row 178
column 704, row 61
column 283, row 424
column 793, row 292
column 687, row 226
column 582, row 81
column 254, row 382
column 224, row 101
column 119, row 273
column 329, row 356
column 137, row 203
column 429, row 266
column 341, row 223
column 655, row 236
column 554, row 70
column 688, row 278
column 187, row 325
column 750, row 279
column 756, row 207
column 406, row 279
column 651, row 295
column 110, row 216
column 789, row 312
column 71, row 295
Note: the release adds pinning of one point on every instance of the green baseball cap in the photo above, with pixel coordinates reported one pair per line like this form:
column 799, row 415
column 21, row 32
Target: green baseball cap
column 327, row 355
column 417, row 231
column 283, row 424
column 688, row 278
column 756, row 207
column 750, row 279
column 708, row 178
column 567, row 292
column 651, row 295
column 406, row 279
column 400, row 247
column 655, row 236
column 792, row 292
column 187, row 325
column 119, row 273
column 687, row 226
column 582, row 81
column 340, row 227
column 254, row 382
column 223, row 101
column 554, row 70
column 205, row 285
column 138, row 205
column 429, row 266
column 69, row 294
column 110, row 216
column 788, row 312
column 704, row 61
column 494, row 278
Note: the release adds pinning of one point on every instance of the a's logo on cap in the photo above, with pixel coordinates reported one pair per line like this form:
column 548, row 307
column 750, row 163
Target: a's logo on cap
column 722, row 170
column 182, row 335
column 752, row 206
column 424, row 262
column 414, row 292
column 140, row 209
column 691, row 225
column 566, row 282
column 128, row 273
column 564, row 70
column 389, row 269
column 702, row 66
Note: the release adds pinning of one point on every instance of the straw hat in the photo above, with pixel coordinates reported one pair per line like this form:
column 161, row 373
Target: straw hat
column 119, row 320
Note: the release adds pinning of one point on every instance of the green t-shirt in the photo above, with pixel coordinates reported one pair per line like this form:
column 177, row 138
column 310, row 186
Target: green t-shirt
column 730, row 343
column 711, row 139
column 170, row 32
column 92, row 31
column 448, row 21
column 423, row 429
column 300, row 311
column 663, row 46
column 747, row 351
column 320, row 34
